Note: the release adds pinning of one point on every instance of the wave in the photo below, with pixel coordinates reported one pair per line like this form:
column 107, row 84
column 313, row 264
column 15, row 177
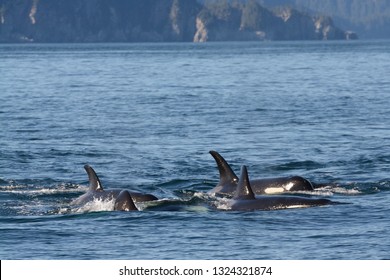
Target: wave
column 329, row 191
column 30, row 200
column 34, row 191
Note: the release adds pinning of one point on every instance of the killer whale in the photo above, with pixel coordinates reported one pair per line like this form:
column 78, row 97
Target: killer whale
column 124, row 202
column 124, row 199
column 244, row 198
column 228, row 181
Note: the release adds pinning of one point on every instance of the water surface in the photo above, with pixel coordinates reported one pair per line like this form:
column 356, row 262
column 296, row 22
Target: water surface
column 146, row 115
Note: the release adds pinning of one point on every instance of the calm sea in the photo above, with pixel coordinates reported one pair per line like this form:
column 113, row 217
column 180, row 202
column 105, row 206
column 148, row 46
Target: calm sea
column 145, row 116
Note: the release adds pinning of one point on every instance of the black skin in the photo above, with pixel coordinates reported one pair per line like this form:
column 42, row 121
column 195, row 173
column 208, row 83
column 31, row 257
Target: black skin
column 228, row 181
column 244, row 198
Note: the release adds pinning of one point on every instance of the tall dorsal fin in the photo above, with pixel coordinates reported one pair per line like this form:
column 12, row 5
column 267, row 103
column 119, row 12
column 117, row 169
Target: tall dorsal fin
column 244, row 190
column 94, row 182
column 124, row 202
column 226, row 174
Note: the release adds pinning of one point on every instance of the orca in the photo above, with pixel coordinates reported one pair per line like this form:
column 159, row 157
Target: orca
column 244, row 198
column 124, row 200
column 228, row 181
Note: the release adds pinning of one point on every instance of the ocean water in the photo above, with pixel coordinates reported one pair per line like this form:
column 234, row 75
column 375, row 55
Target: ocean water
column 145, row 116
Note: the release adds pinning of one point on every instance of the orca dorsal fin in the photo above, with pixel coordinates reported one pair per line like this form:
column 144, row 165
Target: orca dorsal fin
column 226, row 174
column 94, row 182
column 244, row 190
column 124, row 202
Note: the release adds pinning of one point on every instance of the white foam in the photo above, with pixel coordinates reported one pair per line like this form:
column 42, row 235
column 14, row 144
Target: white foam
column 223, row 204
column 330, row 190
column 12, row 187
column 346, row 191
column 20, row 189
column 317, row 192
column 96, row 205
column 62, row 210
column 202, row 195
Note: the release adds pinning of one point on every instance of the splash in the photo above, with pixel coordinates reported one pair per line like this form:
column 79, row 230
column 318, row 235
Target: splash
column 96, row 205
column 222, row 203
column 33, row 11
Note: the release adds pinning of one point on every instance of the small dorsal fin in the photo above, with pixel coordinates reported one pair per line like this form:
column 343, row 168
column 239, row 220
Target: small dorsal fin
column 94, row 182
column 226, row 174
column 124, row 202
column 244, row 190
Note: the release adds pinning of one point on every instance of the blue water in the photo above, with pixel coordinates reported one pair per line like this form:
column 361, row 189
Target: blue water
column 144, row 116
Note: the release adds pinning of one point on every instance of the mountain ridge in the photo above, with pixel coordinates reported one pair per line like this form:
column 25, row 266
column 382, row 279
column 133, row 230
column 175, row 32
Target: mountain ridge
column 56, row 21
